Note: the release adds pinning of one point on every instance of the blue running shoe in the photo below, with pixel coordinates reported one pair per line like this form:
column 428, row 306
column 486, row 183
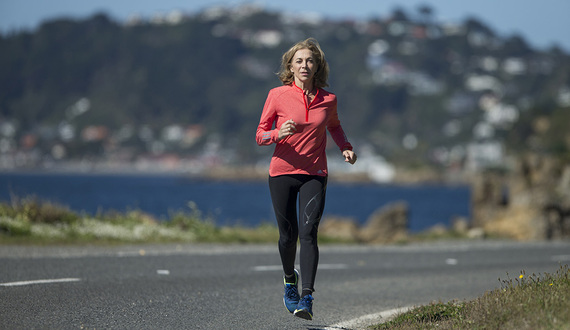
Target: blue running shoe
column 305, row 308
column 291, row 297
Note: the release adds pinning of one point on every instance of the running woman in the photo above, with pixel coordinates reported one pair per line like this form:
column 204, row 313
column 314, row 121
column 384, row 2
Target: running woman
column 296, row 117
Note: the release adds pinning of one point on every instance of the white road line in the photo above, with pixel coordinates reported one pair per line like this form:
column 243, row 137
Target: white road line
column 451, row 261
column 267, row 268
column 364, row 321
column 562, row 257
column 333, row 266
column 272, row 268
column 47, row 281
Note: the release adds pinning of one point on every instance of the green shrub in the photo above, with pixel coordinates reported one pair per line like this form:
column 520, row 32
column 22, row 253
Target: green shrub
column 14, row 227
column 204, row 229
column 36, row 211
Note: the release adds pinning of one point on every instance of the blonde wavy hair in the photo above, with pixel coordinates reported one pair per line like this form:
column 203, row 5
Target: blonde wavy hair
column 322, row 72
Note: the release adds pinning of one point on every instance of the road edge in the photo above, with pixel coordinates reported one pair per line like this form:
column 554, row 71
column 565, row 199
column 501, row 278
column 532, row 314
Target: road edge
column 365, row 321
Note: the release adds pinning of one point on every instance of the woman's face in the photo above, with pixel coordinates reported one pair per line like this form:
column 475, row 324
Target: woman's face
column 303, row 66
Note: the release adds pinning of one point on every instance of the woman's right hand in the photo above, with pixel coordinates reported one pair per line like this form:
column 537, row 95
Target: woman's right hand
column 288, row 128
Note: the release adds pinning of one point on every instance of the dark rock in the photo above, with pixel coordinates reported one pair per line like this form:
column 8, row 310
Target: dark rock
column 339, row 228
column 387, row 224
column 530, row 202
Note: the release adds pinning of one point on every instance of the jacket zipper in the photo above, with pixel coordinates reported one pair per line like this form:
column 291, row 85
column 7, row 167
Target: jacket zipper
column 305, row 102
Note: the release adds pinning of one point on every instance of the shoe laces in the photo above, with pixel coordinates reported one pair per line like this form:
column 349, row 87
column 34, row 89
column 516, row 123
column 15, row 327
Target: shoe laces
column 306, row 301
column 291, row 291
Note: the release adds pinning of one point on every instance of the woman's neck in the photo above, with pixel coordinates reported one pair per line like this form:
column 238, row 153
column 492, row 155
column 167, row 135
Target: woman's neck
column 307, row 87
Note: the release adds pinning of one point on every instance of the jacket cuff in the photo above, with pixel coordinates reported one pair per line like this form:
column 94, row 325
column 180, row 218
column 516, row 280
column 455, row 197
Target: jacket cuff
column 347, row 146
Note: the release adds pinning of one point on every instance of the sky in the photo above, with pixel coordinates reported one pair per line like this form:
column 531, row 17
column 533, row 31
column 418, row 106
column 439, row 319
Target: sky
column 542, row 23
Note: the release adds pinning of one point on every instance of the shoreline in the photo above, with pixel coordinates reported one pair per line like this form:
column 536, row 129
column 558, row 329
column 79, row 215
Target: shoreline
column 251, row 174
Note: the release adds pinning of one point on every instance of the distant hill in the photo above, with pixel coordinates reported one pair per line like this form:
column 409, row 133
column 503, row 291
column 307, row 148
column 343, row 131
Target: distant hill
column 410, row 89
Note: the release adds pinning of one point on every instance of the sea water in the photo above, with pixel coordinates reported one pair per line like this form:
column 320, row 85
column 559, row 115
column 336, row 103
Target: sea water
column 246, row 203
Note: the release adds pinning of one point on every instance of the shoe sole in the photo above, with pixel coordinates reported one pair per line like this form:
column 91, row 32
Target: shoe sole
column 303, row 314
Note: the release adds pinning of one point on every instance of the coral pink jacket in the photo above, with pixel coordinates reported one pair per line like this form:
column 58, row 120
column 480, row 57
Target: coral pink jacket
column 304, row 151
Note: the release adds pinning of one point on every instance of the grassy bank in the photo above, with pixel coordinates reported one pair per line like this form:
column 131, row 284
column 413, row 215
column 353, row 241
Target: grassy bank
column 30, row 220
column 525, row 302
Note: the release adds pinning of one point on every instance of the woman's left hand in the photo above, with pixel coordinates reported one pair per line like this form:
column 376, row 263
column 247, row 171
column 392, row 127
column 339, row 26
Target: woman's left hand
column 349, row 156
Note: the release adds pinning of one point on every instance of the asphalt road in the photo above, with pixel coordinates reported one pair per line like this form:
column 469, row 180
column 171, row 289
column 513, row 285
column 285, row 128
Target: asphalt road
column 240, row 287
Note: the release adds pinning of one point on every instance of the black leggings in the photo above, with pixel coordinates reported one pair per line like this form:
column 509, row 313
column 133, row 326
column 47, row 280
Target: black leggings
column 311, row 191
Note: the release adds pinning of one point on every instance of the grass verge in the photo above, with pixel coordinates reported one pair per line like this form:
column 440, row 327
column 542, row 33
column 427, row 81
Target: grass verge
column 525, row 302
column 30, row 220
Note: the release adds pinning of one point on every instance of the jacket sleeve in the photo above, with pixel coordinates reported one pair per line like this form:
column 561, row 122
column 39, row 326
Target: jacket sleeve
column 265, row 134
column 336, row 131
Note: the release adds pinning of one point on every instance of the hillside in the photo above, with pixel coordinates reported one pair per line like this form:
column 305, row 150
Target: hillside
column 185, row 91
